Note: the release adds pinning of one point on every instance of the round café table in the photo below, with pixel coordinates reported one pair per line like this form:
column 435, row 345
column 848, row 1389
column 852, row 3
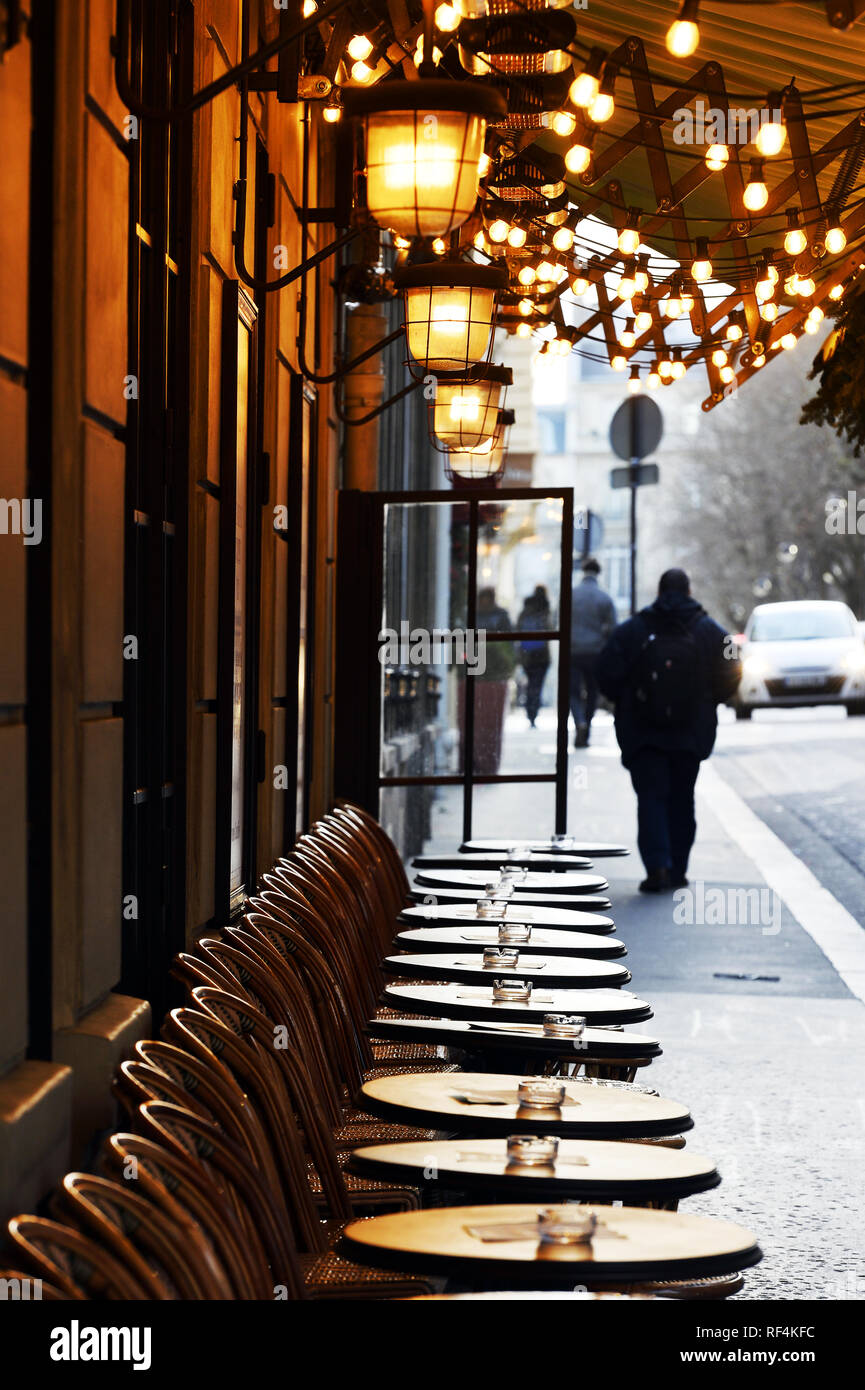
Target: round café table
column 569, row 882
column 544, row 971
column 606, row 1046
column 491, row 863
column 473, row 939
column 585, row 1170
column 468, row 1001
column 492, row 1244
column 582, row 902
column 562, row 918
column 532, row 1296
column 593, row 849
column 488, row 1104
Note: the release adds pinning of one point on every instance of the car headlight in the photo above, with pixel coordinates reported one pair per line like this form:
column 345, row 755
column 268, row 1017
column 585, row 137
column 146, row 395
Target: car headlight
column 755, row 665
column 854, row 661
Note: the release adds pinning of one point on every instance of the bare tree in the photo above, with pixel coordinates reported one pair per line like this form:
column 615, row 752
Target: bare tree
column 750, row 513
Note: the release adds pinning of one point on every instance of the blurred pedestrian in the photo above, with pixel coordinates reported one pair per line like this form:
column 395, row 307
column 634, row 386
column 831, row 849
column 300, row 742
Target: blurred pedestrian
column 490, row 685
column 667, row 670
column 536, row 616
column 593, row 617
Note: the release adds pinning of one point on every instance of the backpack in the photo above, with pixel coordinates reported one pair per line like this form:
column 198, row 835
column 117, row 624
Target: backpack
column 667, row 686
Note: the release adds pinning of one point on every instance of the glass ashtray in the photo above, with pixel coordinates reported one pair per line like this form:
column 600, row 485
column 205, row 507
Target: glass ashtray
column 566, row 1226
column 564, row 1025
column 501, row 956
column 520, row 990
column 515, row 931
column 531, row 1149
column 541, row 1093
column 485, row 907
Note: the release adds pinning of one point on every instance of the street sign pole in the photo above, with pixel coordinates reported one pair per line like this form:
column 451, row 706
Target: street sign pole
column 635, row 465
column 635, row 431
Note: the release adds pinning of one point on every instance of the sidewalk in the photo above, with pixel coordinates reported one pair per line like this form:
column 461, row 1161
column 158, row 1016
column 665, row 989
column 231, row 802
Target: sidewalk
column 771, row 1070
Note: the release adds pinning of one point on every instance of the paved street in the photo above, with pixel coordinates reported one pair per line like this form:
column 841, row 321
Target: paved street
column 769, row 1067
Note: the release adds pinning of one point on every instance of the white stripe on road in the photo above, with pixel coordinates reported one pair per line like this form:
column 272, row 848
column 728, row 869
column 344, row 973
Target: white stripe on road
column 837, row 933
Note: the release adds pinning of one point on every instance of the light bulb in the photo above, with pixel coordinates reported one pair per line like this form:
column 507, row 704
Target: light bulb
column 359, row 47
column 439, row 245
column 653, row 380
column 836, row 240
column 641, row 277
column 674, row 307
column 769, row 312
column 401, row 243
column 683, row 34
column 578, row 158
column 332, row 112
column 816, row 315
column 629, row 241
column 772, row 134
column 806, row 287
column 602, row 108
column 619, row 362
column 719, row 357
column 525, row 307
column 679, row 369
column 643, row 321
column 756, row 194
column 362, row 72
column 702, row 266
column 772, row 272
column 764, row 289
column 626, row 288
column 758, row 361
column 789, row 341
column 791, row 284
column 634, row 381
column 795, row 240
column 727, row 375
column 579, row 284
column 665, row 369
column 717, row 157
column 811, row 325
column 836, row 292
column 527, row 275
column 627, row 337
column 734, row 332
column 517, row 237
column 480, row 242
column 447, row 19
column 563, row 239
column 584, row 89
column 564, row 123
column 524, row 330
column 546, row 271
column 309, row 8
column 498, row 230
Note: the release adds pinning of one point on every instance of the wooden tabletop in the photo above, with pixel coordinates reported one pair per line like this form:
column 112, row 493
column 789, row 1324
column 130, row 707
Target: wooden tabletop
column 475, row 1002
column 582, row 902
column 474, row 938
column 591, row 1109
column 631, row 1243
column 491, row 863
column 594, row 849
column 533, row 1296
column 527, row 1039
column 544, row 972
column 563, row 918
column 568, row 882
column 585, row 1169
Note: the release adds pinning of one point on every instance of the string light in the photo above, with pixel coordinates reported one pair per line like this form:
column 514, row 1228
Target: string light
column 806, row 287
column 759, row 360
column 735, row 329
column 579, row 283
column 485, row 163
column 587, row 85
column 653, row 380
column 674, row 302
column 789, row 341
column 309, row 8
column 719, row 357
column 627, row 337
column 756, row 194
column 627, row 285
column 447, row 19
column 811, row 325
column 795, row 240
column 362, row 72
column 332, row 109
column 498, row 230
column 665, row 366
column 525, row 307
column 836, row 238
column 836, row 292
column 816, row 314
column 643, row 320
column 603, row 106
column 772, row 135
column 564, row 123
column 359, row 47
column 634, row 382
column 717, row 157
column 702, row 266
column 727, row 375
column 578, row 157
column 527, row 275
column 439, row 246
column 563, row 239
column 678, row 366
column 683, row 34
column 619, row 362
column 769, row 312
column 524, row 330
column 641, row 276
column 517, row 237
column 629, row 236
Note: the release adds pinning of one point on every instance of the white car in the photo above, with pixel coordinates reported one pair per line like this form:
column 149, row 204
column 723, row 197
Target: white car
column 808, row 652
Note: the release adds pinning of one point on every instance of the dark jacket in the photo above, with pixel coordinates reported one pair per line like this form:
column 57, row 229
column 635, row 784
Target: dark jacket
column 593, row 617
column 718, row 677
column 536, row 617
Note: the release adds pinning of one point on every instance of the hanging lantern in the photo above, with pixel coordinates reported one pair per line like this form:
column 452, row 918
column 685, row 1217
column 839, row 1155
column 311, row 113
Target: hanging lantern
column 476, row 467
column 424, row 142
column 449, row 309
column 465, row 414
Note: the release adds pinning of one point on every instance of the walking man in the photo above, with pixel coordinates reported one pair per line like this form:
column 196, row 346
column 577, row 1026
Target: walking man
column 667, row 669
column 593, row 617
